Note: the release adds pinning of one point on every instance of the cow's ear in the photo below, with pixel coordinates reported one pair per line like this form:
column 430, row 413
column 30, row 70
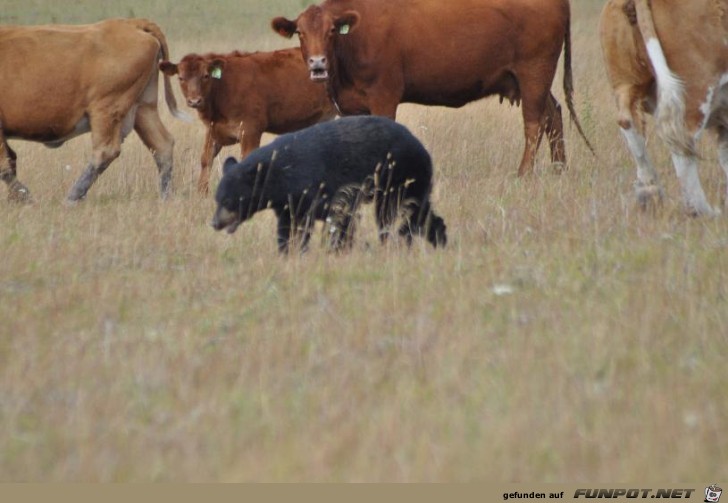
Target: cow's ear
column 215, row 68
column 168, row 68
column 228, row 165
column 284, row 27
column 347, row 22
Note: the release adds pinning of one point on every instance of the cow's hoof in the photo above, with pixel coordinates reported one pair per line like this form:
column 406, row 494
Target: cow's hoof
column 71, row 203
column 559, row 167
column 649, row 197
column 20, row 195
column 704, row 211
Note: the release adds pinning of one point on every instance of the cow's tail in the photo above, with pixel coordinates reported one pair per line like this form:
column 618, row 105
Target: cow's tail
column 569, row 84
column 156, row 32
column 670, row 112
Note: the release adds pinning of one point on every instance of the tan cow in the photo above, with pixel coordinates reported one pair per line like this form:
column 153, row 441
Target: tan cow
column 669, row 58
column 375, row 54
column 239, row 96
column 62, row 81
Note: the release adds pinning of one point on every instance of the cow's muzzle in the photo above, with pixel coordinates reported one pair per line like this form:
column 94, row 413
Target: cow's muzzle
column 317, row 66
column 194, row 103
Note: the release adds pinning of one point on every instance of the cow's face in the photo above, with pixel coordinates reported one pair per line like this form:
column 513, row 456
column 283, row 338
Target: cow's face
column 317, row 31
column 195, row 75
column 234, row 196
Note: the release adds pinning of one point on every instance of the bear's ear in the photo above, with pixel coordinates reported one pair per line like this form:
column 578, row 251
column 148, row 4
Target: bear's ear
column 228, row 165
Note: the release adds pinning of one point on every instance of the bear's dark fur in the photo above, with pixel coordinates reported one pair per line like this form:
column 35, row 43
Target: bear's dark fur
column 323, row 172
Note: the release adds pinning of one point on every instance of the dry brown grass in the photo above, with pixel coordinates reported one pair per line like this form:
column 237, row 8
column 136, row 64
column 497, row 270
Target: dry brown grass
column 562, row 336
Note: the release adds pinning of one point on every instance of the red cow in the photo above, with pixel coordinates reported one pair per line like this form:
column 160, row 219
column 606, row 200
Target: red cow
column 376, row 54
column 239, row 96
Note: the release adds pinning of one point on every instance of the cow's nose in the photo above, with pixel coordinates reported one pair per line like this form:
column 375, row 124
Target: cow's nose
column 317, row 63
column 194, row 102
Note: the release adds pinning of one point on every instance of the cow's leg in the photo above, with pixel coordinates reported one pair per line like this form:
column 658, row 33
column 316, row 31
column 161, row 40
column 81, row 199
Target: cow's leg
column 554, row 128
column 158, row 140
column 686, row 163
column 723, row 156
column 686, row 167
column 209, row 151
column 384, row 97
column 249, row 139
column 17, row 192
column 106, row 140
column 647, row 186
column 631, row 125
column 388, row 110
column 534, row 100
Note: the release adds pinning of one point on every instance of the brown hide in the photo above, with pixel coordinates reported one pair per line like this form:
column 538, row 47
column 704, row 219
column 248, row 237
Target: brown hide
column 692, row 36
column 252, row 94
column 687, row 95
column 61, row 81
column 375, row 54
column 627, row 63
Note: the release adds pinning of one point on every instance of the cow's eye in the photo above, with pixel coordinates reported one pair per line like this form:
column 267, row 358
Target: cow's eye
column 206, row 76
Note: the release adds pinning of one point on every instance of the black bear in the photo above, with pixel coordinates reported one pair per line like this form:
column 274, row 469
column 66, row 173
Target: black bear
column 324, row 172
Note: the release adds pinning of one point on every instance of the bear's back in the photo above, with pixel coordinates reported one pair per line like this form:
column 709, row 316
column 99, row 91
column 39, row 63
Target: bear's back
column 351, row 145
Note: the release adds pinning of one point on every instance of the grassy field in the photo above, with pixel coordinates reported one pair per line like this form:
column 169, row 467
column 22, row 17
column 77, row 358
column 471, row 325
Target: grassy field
column 562, row 335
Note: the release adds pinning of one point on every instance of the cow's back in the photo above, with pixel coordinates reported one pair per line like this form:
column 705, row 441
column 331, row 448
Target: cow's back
column 275, row 84
column 625, row 57
column 692, row 36
column 453, row 52
column 689, row 29
column 53, row 73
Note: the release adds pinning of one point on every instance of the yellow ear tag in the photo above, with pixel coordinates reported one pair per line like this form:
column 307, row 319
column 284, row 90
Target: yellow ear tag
column 216, row 73
column 344, row 29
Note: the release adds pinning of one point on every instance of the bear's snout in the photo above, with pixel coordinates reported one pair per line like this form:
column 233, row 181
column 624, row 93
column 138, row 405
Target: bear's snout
column 225, row 219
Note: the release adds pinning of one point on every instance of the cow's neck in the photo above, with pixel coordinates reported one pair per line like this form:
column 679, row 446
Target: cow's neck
column 333, row 94
column 211, row 112
column 339, row 81
column 205, row 114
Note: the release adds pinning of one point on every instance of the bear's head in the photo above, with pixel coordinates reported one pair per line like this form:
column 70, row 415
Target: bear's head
column 237, row 198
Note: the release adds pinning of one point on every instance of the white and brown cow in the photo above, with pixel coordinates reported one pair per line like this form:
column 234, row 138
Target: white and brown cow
column 669, row 58
column 57, row 82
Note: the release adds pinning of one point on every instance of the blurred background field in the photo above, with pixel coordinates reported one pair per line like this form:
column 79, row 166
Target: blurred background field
column 562, row 335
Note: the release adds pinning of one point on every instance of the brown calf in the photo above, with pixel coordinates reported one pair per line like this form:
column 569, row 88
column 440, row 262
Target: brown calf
column 239, row 96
